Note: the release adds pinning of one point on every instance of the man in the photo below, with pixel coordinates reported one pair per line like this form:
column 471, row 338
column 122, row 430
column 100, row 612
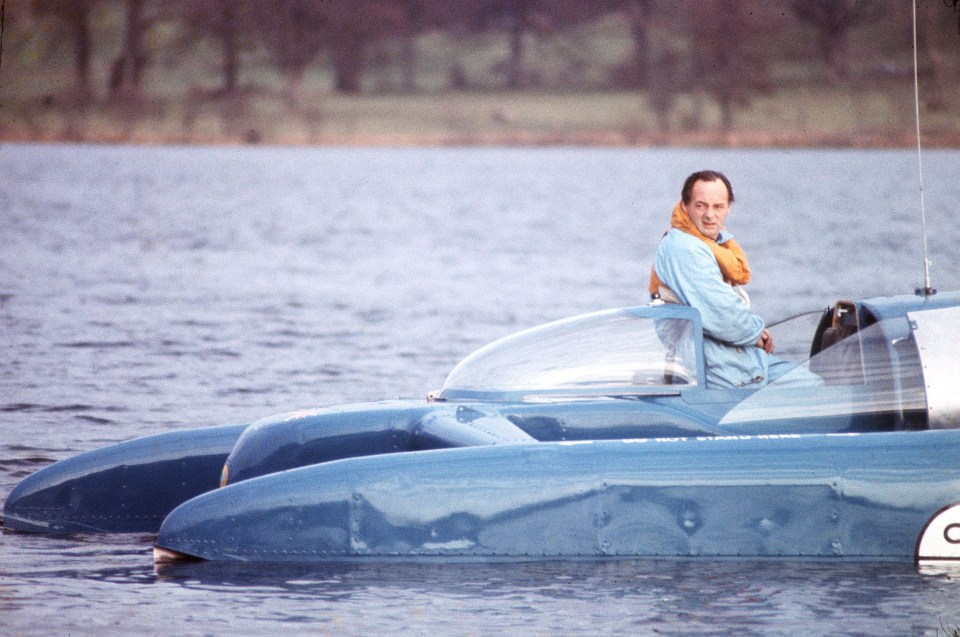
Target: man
column 698, row 263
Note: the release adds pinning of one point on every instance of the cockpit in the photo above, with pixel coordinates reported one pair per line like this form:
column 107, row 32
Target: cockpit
column 858, row 371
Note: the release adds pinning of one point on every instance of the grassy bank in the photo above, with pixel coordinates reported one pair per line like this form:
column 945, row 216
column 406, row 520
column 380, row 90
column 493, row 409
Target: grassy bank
column 879, row 116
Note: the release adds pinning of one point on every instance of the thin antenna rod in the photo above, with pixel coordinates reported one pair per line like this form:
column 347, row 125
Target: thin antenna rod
column 927, row 289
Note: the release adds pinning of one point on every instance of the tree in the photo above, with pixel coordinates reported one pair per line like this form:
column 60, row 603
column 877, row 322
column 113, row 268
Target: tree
column 224, row 21
column 638, row 71
column 935, row 37
column 729, row 56
column 292, row 31
column 297, row 31
column 834, row 20
column 410, row 20
column 396, row 26
column 75, row 16
column 520, row 19
column 126, row 72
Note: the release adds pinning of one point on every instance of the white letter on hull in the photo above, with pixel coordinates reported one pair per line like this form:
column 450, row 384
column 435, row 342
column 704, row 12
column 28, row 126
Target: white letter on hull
column 940, row 539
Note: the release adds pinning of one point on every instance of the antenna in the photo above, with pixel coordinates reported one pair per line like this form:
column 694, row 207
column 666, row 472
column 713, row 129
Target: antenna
column 926, row 290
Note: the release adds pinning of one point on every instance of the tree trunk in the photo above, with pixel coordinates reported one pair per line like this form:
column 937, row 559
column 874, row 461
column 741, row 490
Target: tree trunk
column 348, row 63
column 937, row 100
column 228, row 40
column 81, row 50
column 414, row 20
column 518, row 27
column 126, row 72
column 639, row 73
column 131, row 48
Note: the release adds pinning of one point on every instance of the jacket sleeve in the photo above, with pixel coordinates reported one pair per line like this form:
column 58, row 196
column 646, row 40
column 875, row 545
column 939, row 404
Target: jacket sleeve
column 688, row 267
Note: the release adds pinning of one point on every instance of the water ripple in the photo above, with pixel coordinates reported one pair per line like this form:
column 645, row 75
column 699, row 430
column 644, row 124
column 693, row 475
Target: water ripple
column 147, row 297
column 34, row 407
column 97, row 344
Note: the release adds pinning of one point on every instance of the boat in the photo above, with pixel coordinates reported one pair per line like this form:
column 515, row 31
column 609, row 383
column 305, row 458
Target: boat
column 591, row 437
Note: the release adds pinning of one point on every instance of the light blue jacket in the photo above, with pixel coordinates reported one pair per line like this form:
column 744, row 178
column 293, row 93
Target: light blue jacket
column 686, row 265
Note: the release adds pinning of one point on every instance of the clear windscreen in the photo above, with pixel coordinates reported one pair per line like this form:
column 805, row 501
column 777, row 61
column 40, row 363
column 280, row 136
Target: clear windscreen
column 869, row 373
column 615, row 352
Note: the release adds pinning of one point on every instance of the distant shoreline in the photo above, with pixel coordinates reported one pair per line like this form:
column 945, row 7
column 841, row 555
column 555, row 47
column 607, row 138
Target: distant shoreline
column 790, row 118
column 599, row 139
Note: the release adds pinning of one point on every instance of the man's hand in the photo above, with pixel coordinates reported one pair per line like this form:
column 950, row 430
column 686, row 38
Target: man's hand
column 765, row 342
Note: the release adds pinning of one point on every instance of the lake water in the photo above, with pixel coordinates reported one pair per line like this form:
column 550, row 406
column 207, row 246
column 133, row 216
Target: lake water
column 151, row 289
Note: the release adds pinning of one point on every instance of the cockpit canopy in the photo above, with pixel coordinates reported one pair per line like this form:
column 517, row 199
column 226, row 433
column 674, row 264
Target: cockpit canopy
column 895, row 373
column 638, row 351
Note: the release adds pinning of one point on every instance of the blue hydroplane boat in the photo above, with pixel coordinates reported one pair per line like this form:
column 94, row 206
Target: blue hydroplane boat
column 591, row 437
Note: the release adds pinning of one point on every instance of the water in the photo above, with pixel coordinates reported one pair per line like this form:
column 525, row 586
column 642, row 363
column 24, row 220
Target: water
column 151, row 289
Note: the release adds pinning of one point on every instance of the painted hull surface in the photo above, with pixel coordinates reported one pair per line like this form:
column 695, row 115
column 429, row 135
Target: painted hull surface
column 838, row 496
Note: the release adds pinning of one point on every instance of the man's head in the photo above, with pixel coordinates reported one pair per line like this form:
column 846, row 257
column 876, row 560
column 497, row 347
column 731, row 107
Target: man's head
column 706, row 198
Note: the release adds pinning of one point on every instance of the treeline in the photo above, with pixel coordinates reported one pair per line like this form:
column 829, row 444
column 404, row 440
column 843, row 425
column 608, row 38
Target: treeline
column 728, row 50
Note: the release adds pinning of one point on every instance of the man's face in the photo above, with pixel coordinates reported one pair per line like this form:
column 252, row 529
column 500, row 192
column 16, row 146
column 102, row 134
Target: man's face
column 708, row 207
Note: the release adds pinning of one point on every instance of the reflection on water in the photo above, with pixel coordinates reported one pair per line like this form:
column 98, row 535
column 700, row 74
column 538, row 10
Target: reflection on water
column 645, row 596
column 145, row 290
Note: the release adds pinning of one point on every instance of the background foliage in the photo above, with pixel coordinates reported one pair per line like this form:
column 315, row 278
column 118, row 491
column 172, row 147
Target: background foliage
column 478, row 71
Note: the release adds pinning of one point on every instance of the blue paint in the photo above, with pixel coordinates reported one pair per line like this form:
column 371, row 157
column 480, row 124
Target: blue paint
column 847, row 496
column 627, row 454
column 124, row 488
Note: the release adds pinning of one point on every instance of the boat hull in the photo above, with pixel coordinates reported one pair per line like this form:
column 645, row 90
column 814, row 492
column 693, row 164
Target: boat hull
column 129, row 487
column 837, row 496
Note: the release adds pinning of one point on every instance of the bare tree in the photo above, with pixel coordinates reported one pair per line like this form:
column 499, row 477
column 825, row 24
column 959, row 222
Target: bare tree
column 411, row 21
column 519, row 12
column 513, row 17
column 126, row 72
column 293, row 31
column 297, row 31
column 936, row 38
column 833, row 21
column 223, row 21
column 638, row 70
column 729, row 56
column 523, row 19
column 541, row 19
column 74, row 15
